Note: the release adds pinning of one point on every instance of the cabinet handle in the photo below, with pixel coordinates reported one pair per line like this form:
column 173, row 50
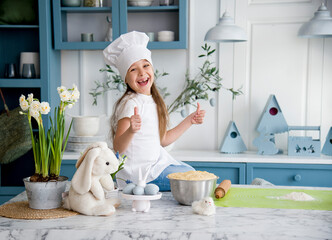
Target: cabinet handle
column 297, row 177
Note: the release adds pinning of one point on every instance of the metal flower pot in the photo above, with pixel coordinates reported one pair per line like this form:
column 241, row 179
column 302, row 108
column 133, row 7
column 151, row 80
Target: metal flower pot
column 45, row 195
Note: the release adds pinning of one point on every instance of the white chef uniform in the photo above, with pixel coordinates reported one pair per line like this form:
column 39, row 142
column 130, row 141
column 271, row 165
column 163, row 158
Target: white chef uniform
column 144, row 150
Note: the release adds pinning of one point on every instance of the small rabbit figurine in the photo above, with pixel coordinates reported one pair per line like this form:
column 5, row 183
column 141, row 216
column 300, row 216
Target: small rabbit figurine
column 86, row 194
column 204, row 206
column 141, row 205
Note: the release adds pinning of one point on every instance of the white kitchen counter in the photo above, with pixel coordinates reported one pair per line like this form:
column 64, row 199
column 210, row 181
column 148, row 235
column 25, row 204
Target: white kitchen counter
column 169, row 220
column 247, row 157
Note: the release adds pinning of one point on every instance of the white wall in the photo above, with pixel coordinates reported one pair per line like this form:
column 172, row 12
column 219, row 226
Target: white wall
column 273, row 61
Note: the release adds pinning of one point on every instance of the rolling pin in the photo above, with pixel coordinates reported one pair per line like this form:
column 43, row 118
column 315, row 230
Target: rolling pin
column 222, row 189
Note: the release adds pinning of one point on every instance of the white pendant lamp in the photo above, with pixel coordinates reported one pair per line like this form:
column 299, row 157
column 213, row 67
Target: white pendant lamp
column 320, row 26
column 226, row 31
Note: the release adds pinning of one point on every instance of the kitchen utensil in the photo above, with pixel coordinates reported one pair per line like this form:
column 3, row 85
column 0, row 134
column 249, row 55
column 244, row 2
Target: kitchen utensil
column 166, row 2
column 71, row 3
column 165, row 36
column 30, row 57
column 272, row 197
column 28, row 70
column 222, row 189
column 10, row 70
column 86, row 125
column 188, row 191
column 151, row 36
column 91, row 3
column 109, row 33
column 140, row 3
column 87, row 37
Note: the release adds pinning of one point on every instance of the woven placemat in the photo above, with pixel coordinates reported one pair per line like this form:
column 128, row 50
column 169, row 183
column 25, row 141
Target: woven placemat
column 21, row 210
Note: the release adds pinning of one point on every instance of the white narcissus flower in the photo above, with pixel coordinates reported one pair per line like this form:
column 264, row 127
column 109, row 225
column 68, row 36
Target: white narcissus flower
column 35, row 113
column 30, row 98
column 75, row 95
column 70, row 105
column 24, row 105
column 45, row 108
column 61, row 89
column 22, row 98
column 65, row 96
column 35, row 105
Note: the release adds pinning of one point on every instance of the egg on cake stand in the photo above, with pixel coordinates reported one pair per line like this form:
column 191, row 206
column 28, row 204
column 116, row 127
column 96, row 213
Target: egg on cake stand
column 142, row 193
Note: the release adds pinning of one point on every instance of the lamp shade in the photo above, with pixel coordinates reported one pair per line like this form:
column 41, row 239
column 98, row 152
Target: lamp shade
column 226, row 31
column 320, row 26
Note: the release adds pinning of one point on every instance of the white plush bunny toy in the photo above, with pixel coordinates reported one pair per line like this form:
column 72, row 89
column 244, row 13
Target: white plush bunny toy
column 86, row 194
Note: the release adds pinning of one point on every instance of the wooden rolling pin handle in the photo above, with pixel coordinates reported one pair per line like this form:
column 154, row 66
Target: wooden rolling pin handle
column 219, row 193
column 222, row 189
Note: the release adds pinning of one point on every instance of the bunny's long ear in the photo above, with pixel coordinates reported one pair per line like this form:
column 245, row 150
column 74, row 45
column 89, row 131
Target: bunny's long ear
column 93, row 145
column 81, row 181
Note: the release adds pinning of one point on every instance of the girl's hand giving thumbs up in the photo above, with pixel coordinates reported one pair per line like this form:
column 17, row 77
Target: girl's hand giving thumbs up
column 135, row 121
column 198, row 116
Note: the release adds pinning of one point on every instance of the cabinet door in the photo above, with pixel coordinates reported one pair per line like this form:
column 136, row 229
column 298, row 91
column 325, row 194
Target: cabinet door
column 68, row 168
column 232, row 171
column 71, row 22
column 156, row 18
column 291, row 174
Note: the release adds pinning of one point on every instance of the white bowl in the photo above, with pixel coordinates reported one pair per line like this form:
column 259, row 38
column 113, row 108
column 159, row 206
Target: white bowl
column 140, row 3
column 86, row 125
column 165, row 36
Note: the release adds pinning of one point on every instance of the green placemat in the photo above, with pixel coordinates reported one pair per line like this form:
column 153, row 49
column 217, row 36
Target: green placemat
column 268, row 198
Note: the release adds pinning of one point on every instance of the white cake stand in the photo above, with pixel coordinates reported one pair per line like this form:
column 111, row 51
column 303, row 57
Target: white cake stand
column 141, row 203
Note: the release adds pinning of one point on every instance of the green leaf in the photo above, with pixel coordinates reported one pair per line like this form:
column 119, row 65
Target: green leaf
column 209, row 53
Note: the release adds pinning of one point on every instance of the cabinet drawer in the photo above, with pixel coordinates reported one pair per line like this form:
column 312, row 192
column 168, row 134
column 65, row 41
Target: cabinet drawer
column 68, row 168
column 232, row 171
column 291, row 174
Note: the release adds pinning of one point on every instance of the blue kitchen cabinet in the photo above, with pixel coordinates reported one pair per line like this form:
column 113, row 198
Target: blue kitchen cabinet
column 83, row 20
column 15, row 39
column 70, row 22
column 31, row 38
column 157, row 18
column 315, row 175
column 68, row 168
column 232, row 171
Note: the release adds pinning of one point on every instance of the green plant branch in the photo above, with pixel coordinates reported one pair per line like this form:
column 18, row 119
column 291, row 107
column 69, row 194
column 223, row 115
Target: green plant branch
column 114, row 82
column 197, row 88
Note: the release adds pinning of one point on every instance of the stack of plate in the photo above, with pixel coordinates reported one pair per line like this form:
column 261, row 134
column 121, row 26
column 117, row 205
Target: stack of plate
column 79, row 143
column 140, row 3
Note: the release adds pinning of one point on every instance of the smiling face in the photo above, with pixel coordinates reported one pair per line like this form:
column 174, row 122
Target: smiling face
column 140, row 77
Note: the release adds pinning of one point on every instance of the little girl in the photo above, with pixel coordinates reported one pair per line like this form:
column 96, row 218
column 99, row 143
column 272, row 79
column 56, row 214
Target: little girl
column 140, row 117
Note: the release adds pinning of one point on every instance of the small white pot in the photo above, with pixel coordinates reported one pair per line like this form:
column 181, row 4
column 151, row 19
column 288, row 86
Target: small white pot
column 86, row 125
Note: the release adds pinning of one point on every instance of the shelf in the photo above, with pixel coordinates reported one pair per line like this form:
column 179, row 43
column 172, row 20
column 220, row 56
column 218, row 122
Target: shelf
column 165, row 45
column 69, row 24
column 84, row 45
column 19, row 26
column 86, row 9
column 154, row 9
column 20, row 83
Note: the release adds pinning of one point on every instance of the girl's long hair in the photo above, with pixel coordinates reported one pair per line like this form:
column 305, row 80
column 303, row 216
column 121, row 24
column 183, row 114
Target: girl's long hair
column 161, row 110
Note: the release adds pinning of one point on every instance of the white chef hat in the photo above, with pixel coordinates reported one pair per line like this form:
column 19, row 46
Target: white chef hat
column 126, row 50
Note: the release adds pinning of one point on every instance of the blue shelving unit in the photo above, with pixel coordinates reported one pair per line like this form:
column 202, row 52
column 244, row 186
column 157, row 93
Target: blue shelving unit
column 119, row 12
column 60, row 16
column 27, row 38
column 179, row 15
